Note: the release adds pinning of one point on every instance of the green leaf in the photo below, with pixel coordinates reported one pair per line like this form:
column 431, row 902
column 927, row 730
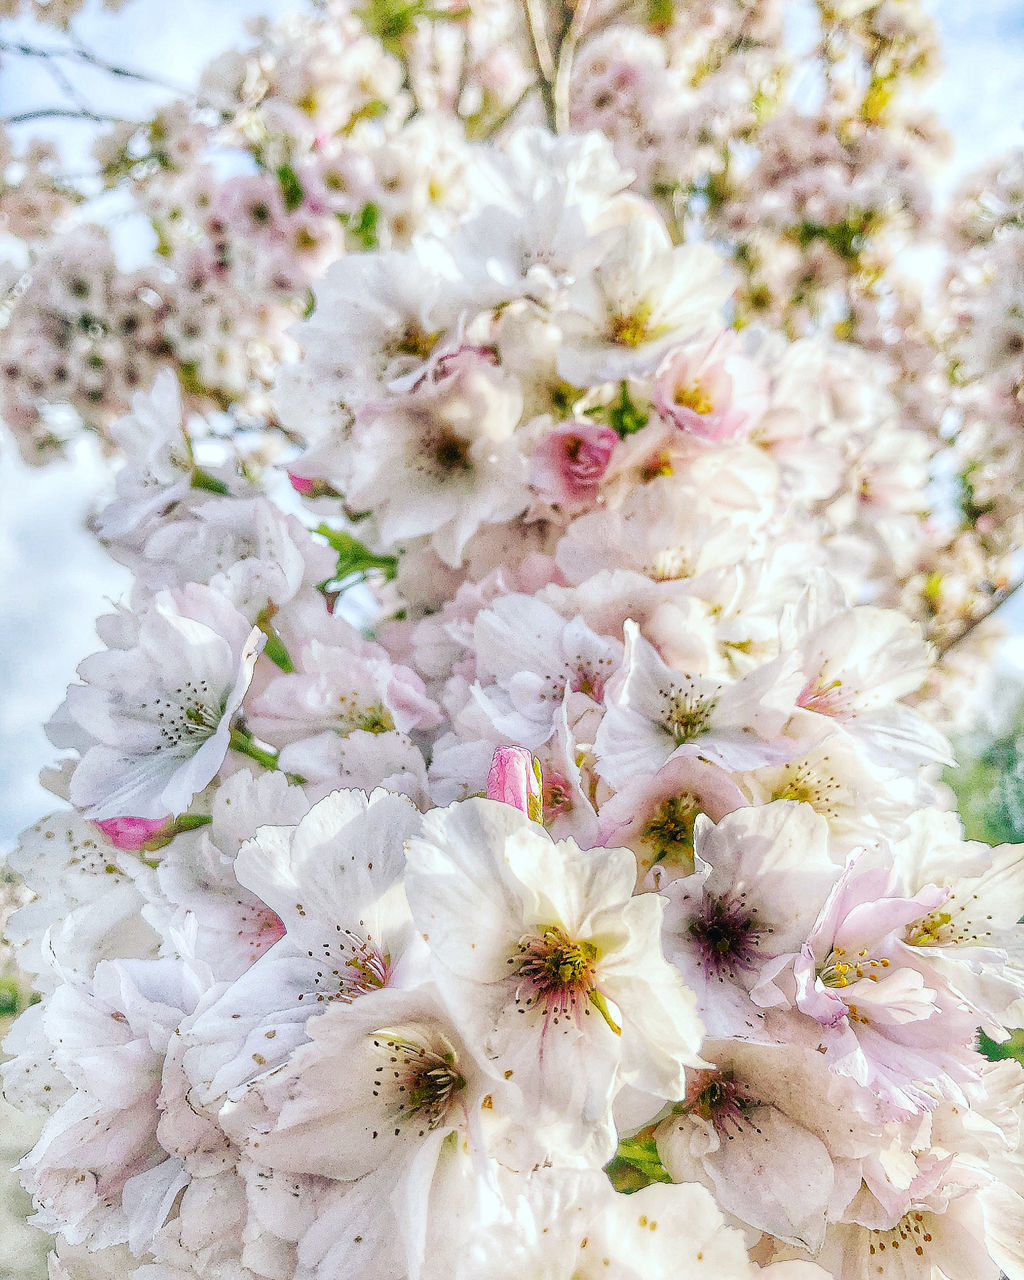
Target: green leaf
column 659, row 15
column 363, row 227
column 391, row 21
column 291, row 187
column 10, row 998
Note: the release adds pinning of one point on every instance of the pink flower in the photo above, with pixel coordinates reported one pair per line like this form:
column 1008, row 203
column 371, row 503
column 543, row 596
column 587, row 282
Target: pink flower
column 711, row 390
column 132, row 834
column 515, row 779
column 568, row 466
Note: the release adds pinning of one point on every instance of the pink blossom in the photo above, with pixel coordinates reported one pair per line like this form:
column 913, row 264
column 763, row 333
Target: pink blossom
column 132, row 834
column 711, row 390
column 515, row 779
column 568, row 466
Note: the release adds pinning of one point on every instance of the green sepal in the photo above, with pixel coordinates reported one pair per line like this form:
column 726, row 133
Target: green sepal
column 636, row 1164
column 354, row 556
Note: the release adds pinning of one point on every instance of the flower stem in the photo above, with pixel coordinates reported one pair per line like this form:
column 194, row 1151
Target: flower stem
column 243, row 743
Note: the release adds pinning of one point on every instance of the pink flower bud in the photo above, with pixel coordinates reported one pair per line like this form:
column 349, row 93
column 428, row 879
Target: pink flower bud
column 310, row 487
column 568, row 465
column 515, row 779
column 132, row 833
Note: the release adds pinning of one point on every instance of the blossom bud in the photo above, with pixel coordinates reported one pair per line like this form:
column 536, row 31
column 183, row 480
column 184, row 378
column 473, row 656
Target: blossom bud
column 568, row 466
column 132, row 834
column 515, row 779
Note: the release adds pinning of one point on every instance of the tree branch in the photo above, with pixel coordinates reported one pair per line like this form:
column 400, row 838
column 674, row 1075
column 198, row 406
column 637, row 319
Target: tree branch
column 80, row 53
column 64, row 113
column 566, row 52
column 543, row 61
column 976, row 622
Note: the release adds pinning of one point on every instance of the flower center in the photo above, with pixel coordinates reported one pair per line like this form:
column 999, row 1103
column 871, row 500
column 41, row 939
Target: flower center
column 829, row 699
column 911, row 1232
column 670, row 829
column 694, row 397
column 419, row 1082
column 415, row 341
column 451, row 453
column 811, row 785
column 558, row 974
column 372, row 717
column 187, row 714
column 670, row 565
column 687, row 713
column 722, row 1100
column 557, row 795
column 726, row 934
column 350, row 966
column 631, row 330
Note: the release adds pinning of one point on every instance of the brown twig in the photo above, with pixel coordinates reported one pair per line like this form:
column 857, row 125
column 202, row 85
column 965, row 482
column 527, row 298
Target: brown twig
column 942, row 650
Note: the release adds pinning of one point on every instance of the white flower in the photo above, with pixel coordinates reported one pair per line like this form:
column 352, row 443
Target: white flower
column 441, row 459
column 156, row 711
column 244, row 547
column 762, row 875
column 856, row 664
column 334, row 881
column 372, row 1101
column 89, row 896
column 194, row 893
column 973, row 938
column 644, row 297
column 536, row 659
column 655, row 713
column 98, row 1173
column 552, row 970
column 158, row 459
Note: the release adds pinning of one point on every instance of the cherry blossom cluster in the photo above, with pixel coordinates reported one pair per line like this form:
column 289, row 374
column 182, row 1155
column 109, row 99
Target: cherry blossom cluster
column 794, row 145
column 593, row 914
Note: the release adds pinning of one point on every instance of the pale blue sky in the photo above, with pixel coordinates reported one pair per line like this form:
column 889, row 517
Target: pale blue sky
column 53, row 579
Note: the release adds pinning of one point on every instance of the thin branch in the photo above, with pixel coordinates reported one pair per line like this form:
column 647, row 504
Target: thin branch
column 499, row 123
column 64, row 113
column 85, row 54
column 563, row 73
column 976, row 622
column 543, row 61
column 64, row 84
column 80, row 53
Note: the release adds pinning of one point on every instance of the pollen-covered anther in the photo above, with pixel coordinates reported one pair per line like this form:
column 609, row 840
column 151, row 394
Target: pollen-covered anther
column 631, row 329
column 841, row 969
column 911, row 1232
column 670, row 827
column 558, row 975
